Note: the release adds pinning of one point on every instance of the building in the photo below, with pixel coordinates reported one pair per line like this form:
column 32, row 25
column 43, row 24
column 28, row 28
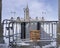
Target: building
column 26, row 14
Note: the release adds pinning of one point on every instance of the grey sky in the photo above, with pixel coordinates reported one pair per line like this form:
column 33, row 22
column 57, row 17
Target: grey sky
column 49, row 7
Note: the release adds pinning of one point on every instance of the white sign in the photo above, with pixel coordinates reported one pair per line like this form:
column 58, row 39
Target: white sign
column 3, row 46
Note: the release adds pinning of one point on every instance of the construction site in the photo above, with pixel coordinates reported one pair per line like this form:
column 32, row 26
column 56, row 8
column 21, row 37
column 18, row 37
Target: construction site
column 29, row 32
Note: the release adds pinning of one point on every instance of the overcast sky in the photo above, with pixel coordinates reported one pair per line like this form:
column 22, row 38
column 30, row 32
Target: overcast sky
column 48, row 7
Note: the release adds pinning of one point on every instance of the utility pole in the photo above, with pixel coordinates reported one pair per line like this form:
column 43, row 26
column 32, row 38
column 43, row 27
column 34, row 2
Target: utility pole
column 1, row 26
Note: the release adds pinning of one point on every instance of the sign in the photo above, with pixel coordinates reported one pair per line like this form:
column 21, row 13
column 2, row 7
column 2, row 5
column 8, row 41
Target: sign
column 35, row 35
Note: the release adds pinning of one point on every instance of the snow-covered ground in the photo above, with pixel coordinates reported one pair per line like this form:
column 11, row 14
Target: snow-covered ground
column 53, row 44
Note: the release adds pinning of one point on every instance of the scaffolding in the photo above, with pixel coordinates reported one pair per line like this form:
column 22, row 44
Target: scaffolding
column 16, row 32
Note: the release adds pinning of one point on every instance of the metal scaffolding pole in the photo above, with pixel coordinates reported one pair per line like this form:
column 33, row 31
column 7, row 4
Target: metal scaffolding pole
column 38, row 25
column 1, row 26
column 23, row 30
column 58, row 26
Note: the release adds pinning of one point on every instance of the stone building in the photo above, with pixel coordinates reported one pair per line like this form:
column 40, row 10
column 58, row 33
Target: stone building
column 26, row 14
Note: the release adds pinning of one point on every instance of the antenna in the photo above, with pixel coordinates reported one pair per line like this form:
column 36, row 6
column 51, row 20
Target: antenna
column 27, row 3
column 13, row 12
